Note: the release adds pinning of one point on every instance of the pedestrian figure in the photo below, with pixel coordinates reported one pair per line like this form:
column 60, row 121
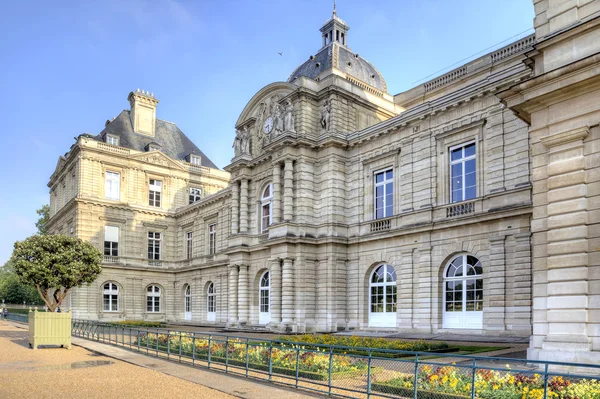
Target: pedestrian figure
column 5, row 313
column 58, row 310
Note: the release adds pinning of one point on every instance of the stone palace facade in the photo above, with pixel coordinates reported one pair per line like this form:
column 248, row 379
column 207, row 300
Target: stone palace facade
column 468, row 204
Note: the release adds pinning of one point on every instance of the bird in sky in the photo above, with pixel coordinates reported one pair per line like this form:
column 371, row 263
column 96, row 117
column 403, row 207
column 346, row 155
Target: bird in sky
column 281, row 54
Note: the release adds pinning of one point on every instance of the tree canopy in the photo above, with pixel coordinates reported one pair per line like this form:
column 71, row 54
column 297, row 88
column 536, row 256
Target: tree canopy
column 54, row 264
column 15, row 292
column 44, row 213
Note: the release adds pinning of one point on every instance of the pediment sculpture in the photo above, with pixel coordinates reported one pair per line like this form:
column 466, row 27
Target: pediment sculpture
column 241, row 142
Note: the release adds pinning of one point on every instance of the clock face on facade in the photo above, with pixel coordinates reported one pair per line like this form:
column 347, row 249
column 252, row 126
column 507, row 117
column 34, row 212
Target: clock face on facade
column 268, row 125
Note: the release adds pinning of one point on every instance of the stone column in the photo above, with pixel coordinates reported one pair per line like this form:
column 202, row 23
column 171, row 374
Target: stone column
column 288, row 191
column 235, row 207
column 244, row 207
column 276, row 193
column 287, row 294
column 567, row 261
column 520, row 315
column 275, row 276
column 233, row 295
column 243, row 295
column 422, row 300
column 495, row 304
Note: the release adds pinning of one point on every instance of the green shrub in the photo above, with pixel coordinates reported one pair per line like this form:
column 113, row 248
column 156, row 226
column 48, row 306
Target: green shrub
column 138, row 323
column 366, row 342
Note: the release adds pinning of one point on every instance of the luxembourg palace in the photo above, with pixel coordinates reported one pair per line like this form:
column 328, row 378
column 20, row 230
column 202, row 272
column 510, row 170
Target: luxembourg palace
column 469, row 204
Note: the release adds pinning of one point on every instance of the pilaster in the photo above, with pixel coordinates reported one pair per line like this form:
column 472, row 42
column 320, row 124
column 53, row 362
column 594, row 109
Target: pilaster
column 287, row 296
column 405, row 291
column 275, row 276
column 243, row 299
column 494, row 315
column 233, row 295
column 288, row 190
column 235, row 209
column 244, row 206
column 276, row 193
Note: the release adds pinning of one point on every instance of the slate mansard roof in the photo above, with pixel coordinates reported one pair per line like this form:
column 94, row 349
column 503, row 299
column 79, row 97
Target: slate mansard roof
column 173, row 142
column 348, row 62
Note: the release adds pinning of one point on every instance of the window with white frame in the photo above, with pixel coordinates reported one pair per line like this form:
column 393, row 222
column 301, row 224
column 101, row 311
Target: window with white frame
column 111, row 241
column 266, row 208
column 463, row 173
column 195, row 160
column 154, row 192
column 188, row 299
column 188, row 245
column 212, row 238
column 154, row 239
column 195, row 194
column 211, row 303
column 112, row 185
column 111, row 297
column 153, row 299
column 112, row 140
column 384, row 193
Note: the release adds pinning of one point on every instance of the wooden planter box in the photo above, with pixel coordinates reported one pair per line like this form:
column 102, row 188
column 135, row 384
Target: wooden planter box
column 47, row 328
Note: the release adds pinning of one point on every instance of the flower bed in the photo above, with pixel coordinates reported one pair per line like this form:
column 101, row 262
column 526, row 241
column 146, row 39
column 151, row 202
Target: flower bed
column 366, row 342
column 138, row 323
column 311, row 364
column 448, row 382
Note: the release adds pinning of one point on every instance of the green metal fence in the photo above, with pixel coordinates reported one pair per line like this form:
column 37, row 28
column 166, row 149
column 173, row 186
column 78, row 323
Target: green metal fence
column 356, row 372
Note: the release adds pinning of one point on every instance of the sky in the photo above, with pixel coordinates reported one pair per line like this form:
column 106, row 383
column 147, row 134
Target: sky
column 68, row 66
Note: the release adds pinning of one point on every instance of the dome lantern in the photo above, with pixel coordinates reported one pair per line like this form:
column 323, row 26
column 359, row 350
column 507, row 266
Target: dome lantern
column 334, row 30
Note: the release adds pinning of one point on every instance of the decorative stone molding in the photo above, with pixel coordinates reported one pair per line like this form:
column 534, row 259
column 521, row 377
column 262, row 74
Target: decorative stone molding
column 557, row 139
column 112, row 219
column 155, row 225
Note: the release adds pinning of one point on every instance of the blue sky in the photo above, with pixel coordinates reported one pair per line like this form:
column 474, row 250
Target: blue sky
column 67, row 67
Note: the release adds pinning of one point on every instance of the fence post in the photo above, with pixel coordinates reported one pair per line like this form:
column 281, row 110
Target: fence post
column 138, row 339
column 297, row 364
column 147, row 340
column 416, row 381
column 270, row 360
column 194, row 349
column 247, row 359
column 546, row 381
column 209, row 351
column 157, row 342
column 169, row 344
column 473, row 380
column 180, row 342
column 369, row 375
column 227, row 354
column 123, row 336
column 330, row 368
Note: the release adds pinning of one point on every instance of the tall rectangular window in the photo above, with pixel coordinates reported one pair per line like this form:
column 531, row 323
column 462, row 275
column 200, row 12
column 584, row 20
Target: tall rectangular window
column 154, row 192
column 212, row 239
column 112, row 185
column 384, row 193
column 154, row 245
column 195, row 194
column 188, row 245
column 463, row 173
column 111, row 241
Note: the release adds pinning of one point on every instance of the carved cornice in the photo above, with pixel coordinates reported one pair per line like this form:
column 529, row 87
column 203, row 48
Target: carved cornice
column 557, row 139
column 112, row 219
column 155, row 225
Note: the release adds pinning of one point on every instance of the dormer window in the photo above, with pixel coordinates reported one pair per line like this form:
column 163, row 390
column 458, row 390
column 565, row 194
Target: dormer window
column 153, row 146
column 195, row 160
column 112, row 140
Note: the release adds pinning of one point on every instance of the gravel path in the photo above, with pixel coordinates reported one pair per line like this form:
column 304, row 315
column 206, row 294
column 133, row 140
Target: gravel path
column 78, row 373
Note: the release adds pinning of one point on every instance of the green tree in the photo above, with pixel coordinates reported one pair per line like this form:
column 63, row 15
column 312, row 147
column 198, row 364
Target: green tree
column 13, row 291
column 54, row 264
column 44, row 213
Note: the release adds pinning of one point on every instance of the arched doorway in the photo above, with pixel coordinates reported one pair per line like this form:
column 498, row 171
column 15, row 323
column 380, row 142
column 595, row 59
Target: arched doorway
column 463, row 293
column 264, row 299
column 187, row 302
column 382, row 297
column 211, row 303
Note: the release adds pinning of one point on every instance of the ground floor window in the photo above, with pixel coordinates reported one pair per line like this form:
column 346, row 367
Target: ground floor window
column 264, row 314
column 153, row 299
column 382, row 297
column 463, row 293
column 111, row 297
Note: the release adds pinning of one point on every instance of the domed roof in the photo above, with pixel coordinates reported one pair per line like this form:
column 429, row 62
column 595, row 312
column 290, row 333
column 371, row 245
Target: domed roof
column 346, row 61
column 336, row 54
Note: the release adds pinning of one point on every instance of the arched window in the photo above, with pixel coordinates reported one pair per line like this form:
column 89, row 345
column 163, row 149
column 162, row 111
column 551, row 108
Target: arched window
column 463, row 293
column 153, row 299
column 264, row 314
column 111, row 297
column 266, row 208
column 211, row 302
column 382, row 298
column 187, row 302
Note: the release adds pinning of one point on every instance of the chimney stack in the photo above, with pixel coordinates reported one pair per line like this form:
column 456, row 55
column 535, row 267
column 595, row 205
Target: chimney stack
column 143, row 111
